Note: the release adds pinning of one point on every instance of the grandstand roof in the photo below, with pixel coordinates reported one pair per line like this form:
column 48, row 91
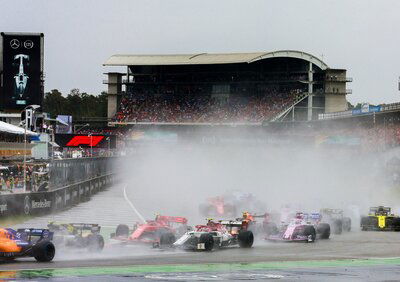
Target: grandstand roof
column 205, row 58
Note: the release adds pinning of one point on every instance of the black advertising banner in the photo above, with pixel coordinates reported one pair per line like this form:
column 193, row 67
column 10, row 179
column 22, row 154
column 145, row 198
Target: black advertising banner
column 86, row 141
column 22, row 71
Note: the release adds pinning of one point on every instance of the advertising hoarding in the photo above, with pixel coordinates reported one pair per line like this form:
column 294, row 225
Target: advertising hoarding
column 22, row 70
column 86, row 141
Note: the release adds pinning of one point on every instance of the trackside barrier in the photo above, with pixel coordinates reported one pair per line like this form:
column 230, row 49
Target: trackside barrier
column 39, row 203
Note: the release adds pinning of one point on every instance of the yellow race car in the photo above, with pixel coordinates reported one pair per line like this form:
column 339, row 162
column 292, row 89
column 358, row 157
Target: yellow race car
column 380, row 219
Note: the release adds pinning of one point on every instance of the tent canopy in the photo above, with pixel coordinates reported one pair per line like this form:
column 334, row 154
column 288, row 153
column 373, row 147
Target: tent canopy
column 12, row 129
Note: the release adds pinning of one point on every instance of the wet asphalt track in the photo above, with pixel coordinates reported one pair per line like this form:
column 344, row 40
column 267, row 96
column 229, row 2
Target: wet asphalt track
column 354, row 245
column 370, row 273
column 102, row 209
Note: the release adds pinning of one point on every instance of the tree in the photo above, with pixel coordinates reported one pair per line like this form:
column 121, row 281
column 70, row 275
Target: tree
column 76, row 104
column 54, row 103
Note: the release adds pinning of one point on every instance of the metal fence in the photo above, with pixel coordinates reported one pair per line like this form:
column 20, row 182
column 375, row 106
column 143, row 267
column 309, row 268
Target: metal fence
column 68, row 171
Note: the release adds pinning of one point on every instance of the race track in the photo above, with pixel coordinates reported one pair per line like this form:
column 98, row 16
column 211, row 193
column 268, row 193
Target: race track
column 103, row 209
column 304, row 261
column 354, row 245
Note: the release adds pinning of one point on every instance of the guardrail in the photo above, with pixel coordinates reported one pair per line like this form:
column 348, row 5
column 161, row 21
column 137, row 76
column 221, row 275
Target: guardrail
column 39, row 203
column 339, row 79
column 62, row 171
column 390, row 107
column 356, row 112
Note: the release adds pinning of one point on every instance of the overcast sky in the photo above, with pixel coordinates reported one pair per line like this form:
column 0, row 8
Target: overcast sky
column 361, row 36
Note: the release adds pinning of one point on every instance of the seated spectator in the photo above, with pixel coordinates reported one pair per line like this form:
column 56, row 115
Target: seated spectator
column 202, row 108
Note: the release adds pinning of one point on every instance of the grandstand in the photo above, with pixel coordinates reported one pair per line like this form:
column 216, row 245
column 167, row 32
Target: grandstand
column 238, row 88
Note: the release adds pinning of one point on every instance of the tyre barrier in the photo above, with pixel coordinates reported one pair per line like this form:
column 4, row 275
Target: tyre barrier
column 40, row 203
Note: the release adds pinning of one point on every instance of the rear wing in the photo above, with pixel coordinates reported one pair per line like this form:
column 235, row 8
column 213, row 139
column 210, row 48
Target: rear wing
column 260, row 215
column 315, row 215
column 380, row 210
column 27, row 233
column 331, row 211
column 311, row 217
column 86, row 226
column 231, row 223
column 74, row 226
column 176, row 219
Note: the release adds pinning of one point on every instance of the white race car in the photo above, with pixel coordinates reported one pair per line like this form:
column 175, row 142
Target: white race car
column 217, row 235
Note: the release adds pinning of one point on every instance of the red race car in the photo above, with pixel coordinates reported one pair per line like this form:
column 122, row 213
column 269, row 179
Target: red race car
column 230, row 204
column 162, row 231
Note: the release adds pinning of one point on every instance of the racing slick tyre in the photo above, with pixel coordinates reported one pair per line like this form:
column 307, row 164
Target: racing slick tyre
column 95, row 243
column 366, row 222
column 270, row 228
column 396, row 224
column 167, row 239
column 122, row 230
column 324, row 230
column 346, row 224
column 44, row 251
column 311, row 234
column 337, row 227
column 246, row 239
column 208, row 241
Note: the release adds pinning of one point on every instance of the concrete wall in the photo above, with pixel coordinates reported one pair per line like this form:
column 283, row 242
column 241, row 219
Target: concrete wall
column 335, row 103
column 39, row 203
column 335, row 90
column 114, row 93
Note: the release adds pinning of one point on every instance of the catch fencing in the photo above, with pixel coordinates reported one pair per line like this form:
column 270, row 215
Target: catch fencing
column 72, row 181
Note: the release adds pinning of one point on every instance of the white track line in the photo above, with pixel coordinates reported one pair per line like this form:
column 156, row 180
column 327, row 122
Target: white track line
column 132, row 206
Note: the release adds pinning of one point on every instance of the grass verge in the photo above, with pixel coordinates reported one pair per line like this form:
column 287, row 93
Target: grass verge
column 13, row 220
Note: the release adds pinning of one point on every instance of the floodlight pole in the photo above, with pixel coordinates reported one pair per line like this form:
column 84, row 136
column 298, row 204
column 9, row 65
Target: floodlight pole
column 108, row 139
column 91, row 145
column 33, row 107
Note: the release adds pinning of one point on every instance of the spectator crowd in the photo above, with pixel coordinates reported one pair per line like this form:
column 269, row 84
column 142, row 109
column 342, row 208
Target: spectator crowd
column 207, row 109
column 12, row 177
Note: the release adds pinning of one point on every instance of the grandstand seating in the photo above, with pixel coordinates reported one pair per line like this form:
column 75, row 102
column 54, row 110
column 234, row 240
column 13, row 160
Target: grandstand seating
column 199, row 109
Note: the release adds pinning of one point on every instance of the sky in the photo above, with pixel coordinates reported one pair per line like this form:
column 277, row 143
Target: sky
column 361, row 36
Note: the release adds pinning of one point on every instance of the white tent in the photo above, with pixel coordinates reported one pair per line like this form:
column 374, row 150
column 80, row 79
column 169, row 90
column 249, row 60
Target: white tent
column 12, row 129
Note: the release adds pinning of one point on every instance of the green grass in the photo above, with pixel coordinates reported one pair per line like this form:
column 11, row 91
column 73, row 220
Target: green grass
column 185, row 268
column 13, row 220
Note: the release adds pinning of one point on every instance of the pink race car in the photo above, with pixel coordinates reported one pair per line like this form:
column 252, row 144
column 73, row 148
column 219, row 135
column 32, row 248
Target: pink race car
column 297, row 230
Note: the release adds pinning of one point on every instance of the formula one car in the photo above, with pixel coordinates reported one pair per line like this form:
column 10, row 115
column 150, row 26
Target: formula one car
column 336, row 220
column 230, row 204
column 323, row 229
column 263, row 224
column 159, row 232
column 21, row 79
column 77, row 235
column 380, row 219
column 298, row 230
column 217, row 234
column 302, row 227
column 26, row 243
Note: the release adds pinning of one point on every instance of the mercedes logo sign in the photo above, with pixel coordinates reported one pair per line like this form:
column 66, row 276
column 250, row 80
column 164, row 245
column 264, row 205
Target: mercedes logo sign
column 14, row 43
column 28, row 44
column 27, row 207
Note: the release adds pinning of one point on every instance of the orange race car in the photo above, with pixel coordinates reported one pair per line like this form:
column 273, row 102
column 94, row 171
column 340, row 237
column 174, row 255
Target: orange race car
column 28, row 242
